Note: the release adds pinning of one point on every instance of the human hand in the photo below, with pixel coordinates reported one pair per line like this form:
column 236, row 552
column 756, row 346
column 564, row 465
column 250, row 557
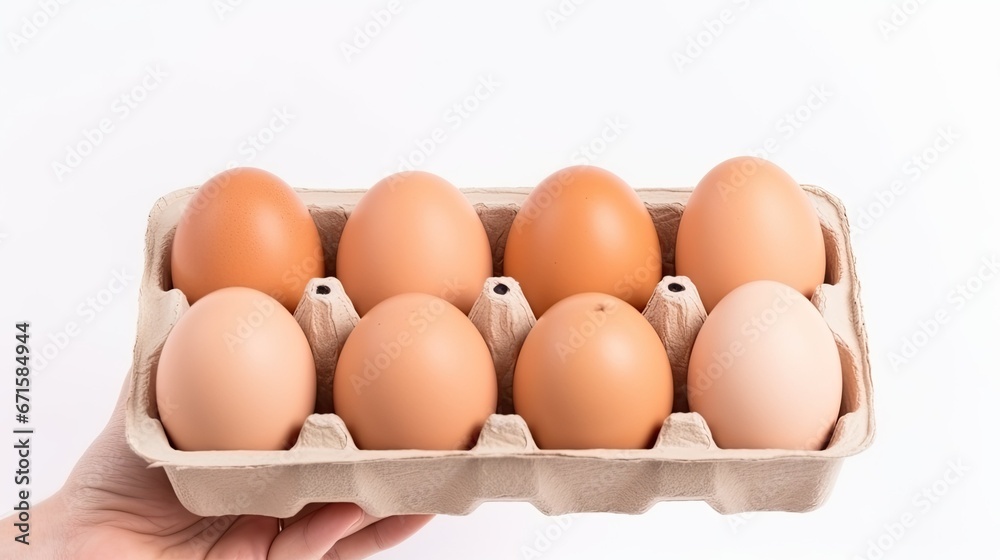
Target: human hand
column 114, row 506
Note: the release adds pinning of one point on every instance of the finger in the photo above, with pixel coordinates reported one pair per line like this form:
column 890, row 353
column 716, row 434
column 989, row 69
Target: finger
column 249, row 537
column 379, row 536
column 312, row 536
column 309, row 508
column 305, row 511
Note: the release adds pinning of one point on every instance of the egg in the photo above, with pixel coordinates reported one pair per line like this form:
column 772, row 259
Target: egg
column 749, row 220
column 246, row 227
column 583, row 229
column 413, row 232
column 414, row 374
column 765, row 370
column 236, row 372
column 592, row 373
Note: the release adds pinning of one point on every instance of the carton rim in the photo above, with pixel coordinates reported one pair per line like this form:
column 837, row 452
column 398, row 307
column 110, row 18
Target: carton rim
column 182, row 460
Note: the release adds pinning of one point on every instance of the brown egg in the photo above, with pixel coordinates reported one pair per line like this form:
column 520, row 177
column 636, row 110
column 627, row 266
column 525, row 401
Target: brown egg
column 583, row 230
column 592, row 373
column 748, row 220
column 413, row 232
column 246, row 227
column 236, row 372
column 414, row 374
column 765, row 370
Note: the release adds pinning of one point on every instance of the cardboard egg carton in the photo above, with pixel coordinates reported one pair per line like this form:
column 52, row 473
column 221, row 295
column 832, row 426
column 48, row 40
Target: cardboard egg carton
column 505, row 465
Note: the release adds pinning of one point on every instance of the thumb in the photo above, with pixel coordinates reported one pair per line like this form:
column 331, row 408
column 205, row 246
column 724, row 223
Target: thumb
column 311, row 537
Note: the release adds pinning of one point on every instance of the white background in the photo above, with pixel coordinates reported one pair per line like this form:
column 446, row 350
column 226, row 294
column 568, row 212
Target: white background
column 890, row 86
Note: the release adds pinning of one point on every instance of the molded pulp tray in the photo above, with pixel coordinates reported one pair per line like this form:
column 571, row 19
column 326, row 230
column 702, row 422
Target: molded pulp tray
column 326, row 466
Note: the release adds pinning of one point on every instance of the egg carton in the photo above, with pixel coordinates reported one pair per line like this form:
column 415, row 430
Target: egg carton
column 324, row 465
